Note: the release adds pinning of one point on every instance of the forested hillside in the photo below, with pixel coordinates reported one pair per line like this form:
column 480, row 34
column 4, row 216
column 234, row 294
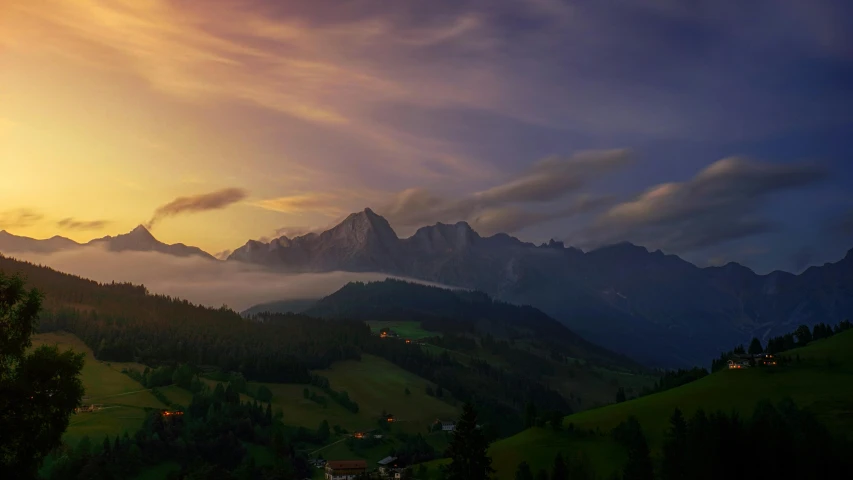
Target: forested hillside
column 461, row 312
column 123, row 322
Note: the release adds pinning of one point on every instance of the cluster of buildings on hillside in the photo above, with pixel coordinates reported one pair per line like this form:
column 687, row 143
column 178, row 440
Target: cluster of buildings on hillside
column 388, row 333
column 387, row 468
column 739, row 361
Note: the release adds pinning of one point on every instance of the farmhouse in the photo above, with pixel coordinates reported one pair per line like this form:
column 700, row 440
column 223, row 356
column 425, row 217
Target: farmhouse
column 389, row 468
column 447, row 425
column 739, row 361
column 389, row 418
column 345, row 469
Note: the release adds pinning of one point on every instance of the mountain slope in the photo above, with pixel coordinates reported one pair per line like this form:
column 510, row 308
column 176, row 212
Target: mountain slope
column 822, row 383
column 140, row 240
column 466, row 312
column 16, row 244
column 657, row 308
column 137, row 240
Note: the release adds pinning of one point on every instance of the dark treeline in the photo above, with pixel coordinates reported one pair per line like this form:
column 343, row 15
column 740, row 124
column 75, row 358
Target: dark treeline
column 123, row 322
column 282, row 350
column 501, row 396
column 801, row 337
column 777, row 441
column 207, row 441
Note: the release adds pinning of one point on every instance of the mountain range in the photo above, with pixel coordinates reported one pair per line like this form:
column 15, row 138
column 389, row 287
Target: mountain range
column 659, row 309
column 137, row 240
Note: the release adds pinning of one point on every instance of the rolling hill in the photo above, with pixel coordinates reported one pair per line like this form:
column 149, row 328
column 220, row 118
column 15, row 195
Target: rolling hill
column 822, row 382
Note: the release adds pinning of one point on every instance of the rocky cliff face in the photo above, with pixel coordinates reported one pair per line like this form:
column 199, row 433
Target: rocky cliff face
column 657, row 308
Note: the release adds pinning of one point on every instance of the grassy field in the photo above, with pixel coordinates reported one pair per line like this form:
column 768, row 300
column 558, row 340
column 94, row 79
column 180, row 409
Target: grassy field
column 123, row 398
column 377, row 385
column 822, row 382
column 405, row 329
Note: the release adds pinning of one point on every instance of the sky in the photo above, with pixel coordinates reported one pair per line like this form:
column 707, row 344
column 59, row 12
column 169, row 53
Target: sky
column 718, row 131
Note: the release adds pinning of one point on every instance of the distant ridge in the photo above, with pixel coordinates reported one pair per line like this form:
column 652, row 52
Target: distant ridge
column 138, row 240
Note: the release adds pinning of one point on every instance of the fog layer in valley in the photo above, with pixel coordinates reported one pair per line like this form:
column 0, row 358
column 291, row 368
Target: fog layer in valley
column 208, row 282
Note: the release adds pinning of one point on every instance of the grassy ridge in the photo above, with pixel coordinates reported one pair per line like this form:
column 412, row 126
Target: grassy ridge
column 123, row 398
column 821, row 382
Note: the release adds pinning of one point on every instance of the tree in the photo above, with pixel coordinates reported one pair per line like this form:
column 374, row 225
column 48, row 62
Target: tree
column 38, row 390
column 263, row 394
column 523, row 472
column 542, row 475
column 560, row 470
column 620, row 395
column 469, row 459
column 755, row 347
column 530, row 415
column 556, row 420
column 323, row 431
column 675, row 461
column 804, row 335
column 639, row 464
column 407, row 392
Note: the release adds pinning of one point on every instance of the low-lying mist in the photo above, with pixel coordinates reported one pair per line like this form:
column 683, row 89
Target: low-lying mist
column 213, row 283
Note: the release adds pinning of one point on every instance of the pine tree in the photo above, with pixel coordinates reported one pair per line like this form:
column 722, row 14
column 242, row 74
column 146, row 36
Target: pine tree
column 620, row 395
column 468, row 454
column 639, row 465
column 542, row 475
column 523, row 472
column 755, row 347
column 560, row 470
column 675, row 466
column 107, row 448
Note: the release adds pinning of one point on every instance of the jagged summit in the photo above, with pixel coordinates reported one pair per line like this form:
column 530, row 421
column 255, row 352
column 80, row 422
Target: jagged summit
column 140, row 239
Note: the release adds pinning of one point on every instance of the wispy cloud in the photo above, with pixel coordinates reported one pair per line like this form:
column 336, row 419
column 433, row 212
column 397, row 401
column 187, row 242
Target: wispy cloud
column 237, row 284
column 720, row 204
column 75, row 224
column 19, row 218
column 198, row 203
column 501, row 207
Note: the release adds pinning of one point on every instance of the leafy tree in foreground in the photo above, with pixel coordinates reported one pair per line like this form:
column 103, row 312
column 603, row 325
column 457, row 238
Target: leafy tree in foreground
column 469, row 459
column 38, row 390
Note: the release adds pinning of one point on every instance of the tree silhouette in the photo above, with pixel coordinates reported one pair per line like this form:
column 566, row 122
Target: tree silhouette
column 523, row 472
column 755, row 347
column 469, row 459
column 560, row 470
column 38, row 390
column 675, row 466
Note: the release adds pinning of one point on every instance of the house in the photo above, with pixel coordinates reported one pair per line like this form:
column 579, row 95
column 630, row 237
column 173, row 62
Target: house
column 389, row 418
column 390, row 468
column 408, row 341
column 447, row 425
column 359, row 435
column 737, row 363
column 345, row 469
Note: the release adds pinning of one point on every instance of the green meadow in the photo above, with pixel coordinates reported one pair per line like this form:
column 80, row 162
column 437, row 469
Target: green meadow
column 821, row 381
column 124, row 400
